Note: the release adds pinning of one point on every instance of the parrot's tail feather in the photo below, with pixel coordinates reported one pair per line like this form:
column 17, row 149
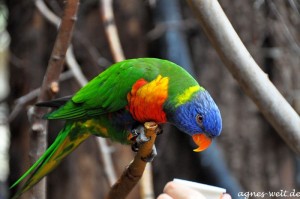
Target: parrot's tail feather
column 67, row 141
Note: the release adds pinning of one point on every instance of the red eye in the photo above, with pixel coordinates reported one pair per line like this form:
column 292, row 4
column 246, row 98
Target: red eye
column 199, row 119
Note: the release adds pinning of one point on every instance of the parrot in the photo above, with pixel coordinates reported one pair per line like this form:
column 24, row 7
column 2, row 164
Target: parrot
column 116, row 104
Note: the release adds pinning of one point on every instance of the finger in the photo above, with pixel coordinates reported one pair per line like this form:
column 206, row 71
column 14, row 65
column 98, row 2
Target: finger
column 226, row 196
column 179, row 191
column 164, row 196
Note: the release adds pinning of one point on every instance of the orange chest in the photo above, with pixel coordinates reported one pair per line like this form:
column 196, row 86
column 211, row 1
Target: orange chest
column 146, row 100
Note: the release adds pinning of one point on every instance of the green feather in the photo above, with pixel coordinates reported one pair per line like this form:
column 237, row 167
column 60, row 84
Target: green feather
column 67, row 140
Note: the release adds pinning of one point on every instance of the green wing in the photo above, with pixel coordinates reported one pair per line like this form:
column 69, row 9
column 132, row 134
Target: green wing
column 107, row 92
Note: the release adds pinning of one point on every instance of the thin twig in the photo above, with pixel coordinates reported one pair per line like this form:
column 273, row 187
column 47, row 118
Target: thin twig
column 81, row 79
column 47, row 13
column 49, row 88
column 111, row 30
column 249, row 75
column 75, row 68
column 162, row 27
column 134, row 171
column 287, row 32
column 295, row 6
column 106, row 153
column 21, row 102
column 55, row 20
column 96, row 56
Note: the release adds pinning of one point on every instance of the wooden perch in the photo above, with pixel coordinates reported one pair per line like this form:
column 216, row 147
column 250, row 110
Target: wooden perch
column 135, row 170
column 245, row 70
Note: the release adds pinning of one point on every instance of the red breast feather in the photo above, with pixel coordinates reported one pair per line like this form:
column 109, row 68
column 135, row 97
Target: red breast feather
column 146, row 99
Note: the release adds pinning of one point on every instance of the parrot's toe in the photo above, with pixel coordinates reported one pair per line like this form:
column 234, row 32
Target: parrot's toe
column 134, row 147
column 150, row 157
column 141, row 138
column 138, row 137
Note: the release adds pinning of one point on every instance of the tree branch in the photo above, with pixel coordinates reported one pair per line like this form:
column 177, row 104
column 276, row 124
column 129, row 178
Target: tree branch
column 47, row 13
column 111, row 30
column 81, row 79
column 49, row 88
column 135, row 170
column 75, row 68
column 245, row 70
column 70, row 58
column 293, row 42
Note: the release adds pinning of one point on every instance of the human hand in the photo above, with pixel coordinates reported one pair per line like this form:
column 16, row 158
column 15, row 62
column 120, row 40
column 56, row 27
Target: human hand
column 174, row 190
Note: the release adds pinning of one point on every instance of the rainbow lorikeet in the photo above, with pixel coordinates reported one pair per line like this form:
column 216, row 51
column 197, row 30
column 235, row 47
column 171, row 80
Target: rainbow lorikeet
column 115, row 103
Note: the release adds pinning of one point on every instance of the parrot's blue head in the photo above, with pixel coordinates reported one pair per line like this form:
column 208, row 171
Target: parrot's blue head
column 199, row 117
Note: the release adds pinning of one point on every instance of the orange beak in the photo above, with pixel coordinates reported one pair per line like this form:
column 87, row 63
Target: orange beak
column 202, row 141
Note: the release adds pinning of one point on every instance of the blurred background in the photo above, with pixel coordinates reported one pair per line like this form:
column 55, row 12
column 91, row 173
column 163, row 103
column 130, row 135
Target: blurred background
column 249, row 155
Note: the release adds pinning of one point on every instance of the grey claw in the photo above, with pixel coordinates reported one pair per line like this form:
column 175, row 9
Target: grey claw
column 134, row 147
column 150, row 157
column 141, row 138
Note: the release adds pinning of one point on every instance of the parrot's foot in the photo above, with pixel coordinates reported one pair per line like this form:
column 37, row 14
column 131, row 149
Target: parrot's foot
column 150, row 157
column 138, row 137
